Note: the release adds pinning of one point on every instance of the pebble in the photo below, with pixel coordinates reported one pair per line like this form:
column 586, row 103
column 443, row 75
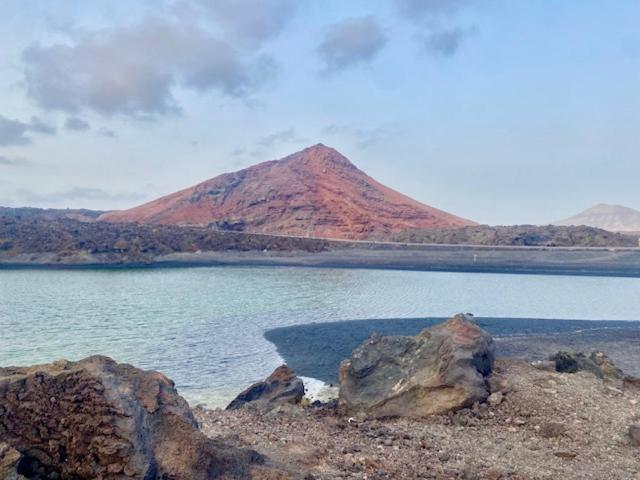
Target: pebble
column 495, row 399
column 634, row 435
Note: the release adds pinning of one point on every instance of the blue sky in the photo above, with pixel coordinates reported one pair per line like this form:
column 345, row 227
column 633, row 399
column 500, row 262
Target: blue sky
column 499, row 111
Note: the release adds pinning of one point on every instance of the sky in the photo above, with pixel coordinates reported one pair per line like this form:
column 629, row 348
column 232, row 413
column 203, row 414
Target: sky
column 500, row 111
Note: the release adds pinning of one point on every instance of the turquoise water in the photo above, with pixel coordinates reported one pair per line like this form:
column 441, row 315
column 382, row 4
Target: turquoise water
column 204, row 327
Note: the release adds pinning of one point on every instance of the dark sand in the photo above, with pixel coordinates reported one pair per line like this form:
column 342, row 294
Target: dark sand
column 316, row 350
column 456, row 258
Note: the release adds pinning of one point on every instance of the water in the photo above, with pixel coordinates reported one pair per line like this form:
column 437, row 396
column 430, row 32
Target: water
column 204, row 327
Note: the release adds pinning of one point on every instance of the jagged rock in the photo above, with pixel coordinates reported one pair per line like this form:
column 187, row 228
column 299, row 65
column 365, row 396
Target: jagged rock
column 282, row 387
column 443, row 368
column 9, row 461
column 634, row 435
column 597, row 363
column 97, row 419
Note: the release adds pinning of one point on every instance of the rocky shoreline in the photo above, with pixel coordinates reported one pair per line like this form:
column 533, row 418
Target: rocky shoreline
column 434, row 406
column 548, row 425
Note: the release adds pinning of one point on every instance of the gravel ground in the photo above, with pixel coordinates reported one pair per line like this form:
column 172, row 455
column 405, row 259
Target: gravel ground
column 548, row 426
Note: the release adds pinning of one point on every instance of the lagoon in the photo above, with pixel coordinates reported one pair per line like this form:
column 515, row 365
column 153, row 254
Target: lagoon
column 204, row 327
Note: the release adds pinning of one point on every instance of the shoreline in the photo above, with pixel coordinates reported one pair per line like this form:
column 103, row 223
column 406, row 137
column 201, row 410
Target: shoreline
column 612, row 262
column 315, row 350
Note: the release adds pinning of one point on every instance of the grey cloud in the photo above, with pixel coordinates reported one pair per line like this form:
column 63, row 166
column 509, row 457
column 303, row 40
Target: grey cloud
column 12, row 162
column 365, row 137
column 351, row 42
column 13, row 132
column 263, row 144
column 437, row 22
column 251, row 21
column 371, row 136
column 420, row 10
column 77, row 124
column 75, row 196
column 134, row 70
column 38, row 126
column 285, row 136
column 445, row 42
column 107, row 132
column 57, row 24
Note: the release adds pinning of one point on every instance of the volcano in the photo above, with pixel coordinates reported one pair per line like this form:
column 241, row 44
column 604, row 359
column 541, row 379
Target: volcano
column 316, row 192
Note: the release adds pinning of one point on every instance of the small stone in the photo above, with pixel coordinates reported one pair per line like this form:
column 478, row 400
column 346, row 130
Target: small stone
column 444, row 457
column 634, row 435
column 566, row 455
column 552, row 430
column 614, row 390
column 495, row 399
column 493, row 474
column 547, row 366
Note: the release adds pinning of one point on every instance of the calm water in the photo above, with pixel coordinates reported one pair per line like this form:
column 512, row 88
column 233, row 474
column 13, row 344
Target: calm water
column 204, row 327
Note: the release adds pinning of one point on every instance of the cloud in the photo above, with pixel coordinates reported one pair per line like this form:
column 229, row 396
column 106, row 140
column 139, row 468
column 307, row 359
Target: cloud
column 263, row 144
column 13, row 132
column 365, row 137
column 77, row 124
column 351, row 42
column 445, row 42
column 436, row 19
column 251, row 21
column 38, row 126
column 421, row 10
column 284, row 136
column 75, row 196
column 135, row 70
column 107, row 132
column 12, row 162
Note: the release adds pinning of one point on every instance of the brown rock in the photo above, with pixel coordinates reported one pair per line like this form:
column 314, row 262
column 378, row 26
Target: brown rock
column 442, row 369
column 282, row 387
column 552, row 430
column 566, row 455
column 634, row 435
column 99, row 419
column 9, row 463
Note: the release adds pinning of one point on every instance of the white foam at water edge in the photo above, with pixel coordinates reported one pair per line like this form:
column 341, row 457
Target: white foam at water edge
column 318, row 390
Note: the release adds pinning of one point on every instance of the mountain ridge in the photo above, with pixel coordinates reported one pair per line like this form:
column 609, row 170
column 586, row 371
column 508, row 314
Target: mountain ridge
column 615, row 218
column 316, row 192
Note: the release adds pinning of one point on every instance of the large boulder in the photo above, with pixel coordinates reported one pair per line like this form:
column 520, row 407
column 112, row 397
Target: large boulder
column 443, row 368
column 282, row 387
column 97, row 419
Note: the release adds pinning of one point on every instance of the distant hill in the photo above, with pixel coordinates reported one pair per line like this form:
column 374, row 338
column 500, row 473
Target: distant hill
column 614, row 218
column 316, row 192
column 81, row 214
